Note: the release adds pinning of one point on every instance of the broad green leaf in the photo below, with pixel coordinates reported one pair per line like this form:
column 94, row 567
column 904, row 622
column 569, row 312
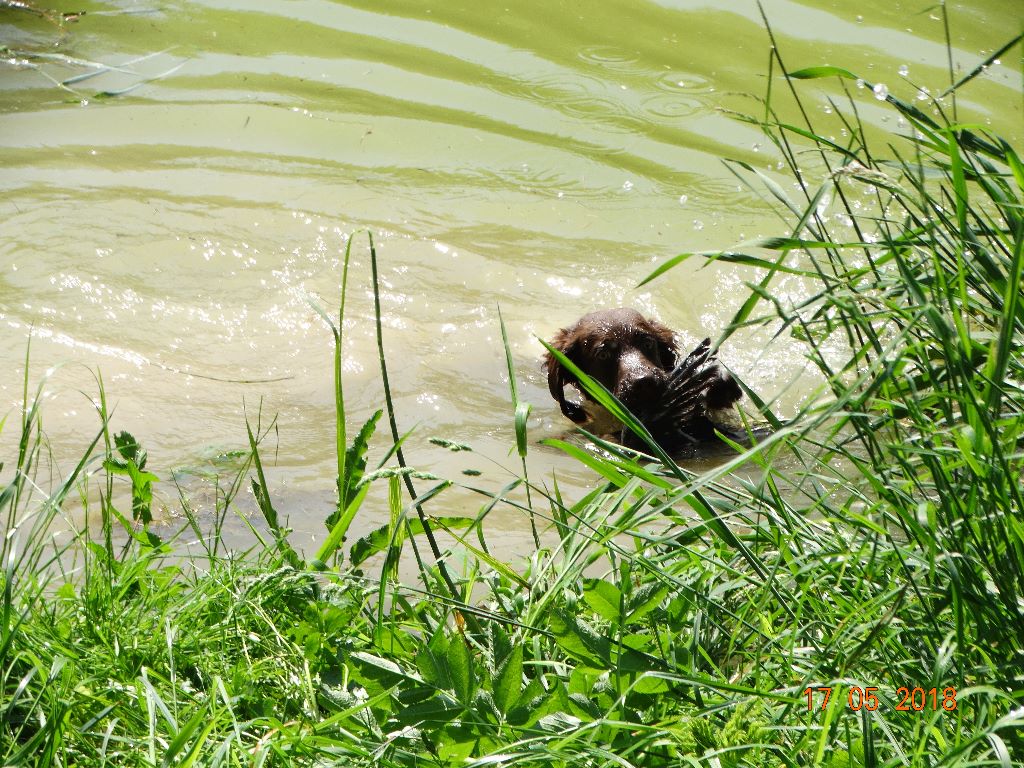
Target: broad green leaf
column 605, row 598
column 580, row 640
column 508, row 680
column 645, row 599
column 460, row 667
column 354, row 467
column 377, row 673
column 432, row 662
column 437, row 709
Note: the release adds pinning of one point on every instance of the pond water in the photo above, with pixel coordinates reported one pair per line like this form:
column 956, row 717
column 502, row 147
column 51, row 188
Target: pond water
column 167, row 221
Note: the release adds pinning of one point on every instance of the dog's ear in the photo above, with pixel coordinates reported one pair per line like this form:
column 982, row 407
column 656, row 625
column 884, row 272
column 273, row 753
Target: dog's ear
column 558, row 377
column 667, row 349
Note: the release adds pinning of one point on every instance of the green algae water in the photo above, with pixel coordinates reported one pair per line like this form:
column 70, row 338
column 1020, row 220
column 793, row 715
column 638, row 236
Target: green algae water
column 168, row 214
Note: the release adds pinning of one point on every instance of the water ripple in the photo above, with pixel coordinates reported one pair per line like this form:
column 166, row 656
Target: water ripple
column 676, row 81
column 671, row 106
column 611, row 57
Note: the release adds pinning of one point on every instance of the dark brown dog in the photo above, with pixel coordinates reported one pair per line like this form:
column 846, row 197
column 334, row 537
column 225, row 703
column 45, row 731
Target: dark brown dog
column 636, row 360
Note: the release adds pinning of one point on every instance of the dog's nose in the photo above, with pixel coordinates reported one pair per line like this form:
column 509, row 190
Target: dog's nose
column 643, row 389
column 639, row 379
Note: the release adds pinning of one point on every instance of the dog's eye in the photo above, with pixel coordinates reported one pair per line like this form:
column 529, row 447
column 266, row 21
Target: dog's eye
column 604, row 355
column 648, row 344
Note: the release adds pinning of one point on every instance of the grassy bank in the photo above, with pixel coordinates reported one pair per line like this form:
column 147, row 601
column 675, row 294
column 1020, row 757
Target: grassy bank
column 766, row 622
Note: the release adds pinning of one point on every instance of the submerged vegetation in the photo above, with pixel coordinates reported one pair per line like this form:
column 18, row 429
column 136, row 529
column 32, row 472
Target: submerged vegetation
column 857, row 601
column 37, row 55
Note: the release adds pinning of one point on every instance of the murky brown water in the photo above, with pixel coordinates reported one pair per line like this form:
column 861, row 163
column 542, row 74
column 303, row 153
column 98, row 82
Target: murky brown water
column 541, row 156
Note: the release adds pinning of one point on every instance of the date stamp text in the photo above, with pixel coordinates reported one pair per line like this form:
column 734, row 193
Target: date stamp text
column 907, row 699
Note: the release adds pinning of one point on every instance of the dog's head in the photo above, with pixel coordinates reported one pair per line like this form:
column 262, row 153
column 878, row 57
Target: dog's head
column 629, row 354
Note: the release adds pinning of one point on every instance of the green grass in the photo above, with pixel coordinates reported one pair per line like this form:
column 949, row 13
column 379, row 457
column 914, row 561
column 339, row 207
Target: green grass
column 674, row 618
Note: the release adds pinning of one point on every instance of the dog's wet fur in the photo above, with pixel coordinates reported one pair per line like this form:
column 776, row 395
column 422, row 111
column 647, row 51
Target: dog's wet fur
column 681, row 401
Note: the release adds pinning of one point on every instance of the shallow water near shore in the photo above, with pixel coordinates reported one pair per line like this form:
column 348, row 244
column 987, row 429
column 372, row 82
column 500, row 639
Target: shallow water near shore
column 540, row 158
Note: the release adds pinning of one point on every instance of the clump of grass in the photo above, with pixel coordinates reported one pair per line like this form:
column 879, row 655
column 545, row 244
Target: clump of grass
column 925, row 299
column 672, row 618
column 912, row 468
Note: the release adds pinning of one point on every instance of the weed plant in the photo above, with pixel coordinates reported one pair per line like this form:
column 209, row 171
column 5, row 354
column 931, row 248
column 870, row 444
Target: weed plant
column 674, row 619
